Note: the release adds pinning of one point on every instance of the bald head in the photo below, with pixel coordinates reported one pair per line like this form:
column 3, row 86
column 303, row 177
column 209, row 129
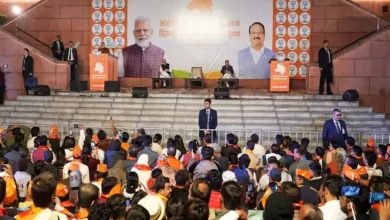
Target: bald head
column 88, row 194
column 200, row 189
column 310, row 212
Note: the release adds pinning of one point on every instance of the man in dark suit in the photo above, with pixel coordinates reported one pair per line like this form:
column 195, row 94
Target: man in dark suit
column 58, row 48
column 326, row 66
column 334, row 129
column 208, row 120
column 70, row 55
column 27, row 67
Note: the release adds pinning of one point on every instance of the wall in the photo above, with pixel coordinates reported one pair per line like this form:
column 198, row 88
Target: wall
column 68, row 18
column 56, row 75
column 339, row 22
column 366, row 68
column 6, row 6
column 375, row 6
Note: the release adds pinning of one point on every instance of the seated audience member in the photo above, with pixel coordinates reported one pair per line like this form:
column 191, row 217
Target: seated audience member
column 87, row 159
column 99, row 212
column 156, row 172
column 273, row 163
column 143, row 169
column 63, row 204
column 370, row 160
column 43, row 190
column 42, row 147
column 172, row 161
column 118, row 171
column 300, row 161
column 222, row 161
column 331, row 191
column 349, row 143
column 255, row 161
column 77, row 162
column 117, row 206
column 167, row 171
column 230, row 147
column 279, row 206
column 34, row 134
column 163, row 188
column 318, row 155
column 231, row 200
column 25, row 154
column 171, row 143
column 153, row 156
column 137, row 212
column 370, row 145
column 156, row 145
column 293, row 192
column 175, row 207
column 132, row 186
column 336, row 165
column 124, row 139
column 68, row 145
column 196, row 209
column 114, row 154
column 110, row 186
column 180, row 190
column 154, row 205
column 259, row 150
column 273, row 186
column 351, row 168
column 330, row 154
column 103, row 142
column 305, row 142
column 200, row 189
column 215, row 179
column 14, row 155
column 288, row 159
column 274, row 152
column 316, row 178
column 286, row 144
column 137, row 197
column 191, row 154
column 357, row 152
column 201, row 168
column 48, row 159
column 54, row 138
column 101, row 173
column 22, row 178
column 131, row 160
column 310, row 212
column 355, row 207
column 179, row 144
column 381, row 152
column 308, row 194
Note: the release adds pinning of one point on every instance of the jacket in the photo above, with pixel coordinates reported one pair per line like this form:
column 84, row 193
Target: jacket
column 118, row 171
column 112, row 157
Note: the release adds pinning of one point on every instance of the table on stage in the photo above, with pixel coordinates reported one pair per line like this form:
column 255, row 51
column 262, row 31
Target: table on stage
column 194, row 83
column 160, row 81
column 232, row 81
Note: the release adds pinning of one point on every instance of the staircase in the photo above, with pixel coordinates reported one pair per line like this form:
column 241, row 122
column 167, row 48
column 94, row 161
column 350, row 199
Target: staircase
column 170, row 114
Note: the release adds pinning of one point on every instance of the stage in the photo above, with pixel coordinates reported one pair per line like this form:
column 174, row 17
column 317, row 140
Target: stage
column 263, row 84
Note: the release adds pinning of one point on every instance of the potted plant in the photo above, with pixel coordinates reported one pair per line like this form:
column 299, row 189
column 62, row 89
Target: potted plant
column 3, row 19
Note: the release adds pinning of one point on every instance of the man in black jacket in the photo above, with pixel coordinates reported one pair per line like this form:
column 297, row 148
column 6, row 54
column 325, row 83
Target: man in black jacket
column 27, row 67
column 70, row 55
column 208, row 120
column 326, row 66
column 58, row 48
column 227, row 72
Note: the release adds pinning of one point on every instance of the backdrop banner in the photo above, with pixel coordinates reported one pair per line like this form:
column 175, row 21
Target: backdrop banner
column 205, row 33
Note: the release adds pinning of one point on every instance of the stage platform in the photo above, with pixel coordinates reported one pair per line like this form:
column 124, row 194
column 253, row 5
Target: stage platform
column 212, row 83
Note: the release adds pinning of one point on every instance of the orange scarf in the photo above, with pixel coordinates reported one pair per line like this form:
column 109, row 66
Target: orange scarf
column 82, row 215
column 162, row 163
column 43, row 148
column 142, row 167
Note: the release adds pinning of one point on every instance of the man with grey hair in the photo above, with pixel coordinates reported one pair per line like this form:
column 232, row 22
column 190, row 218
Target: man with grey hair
column 142, row 59
column 334, row 129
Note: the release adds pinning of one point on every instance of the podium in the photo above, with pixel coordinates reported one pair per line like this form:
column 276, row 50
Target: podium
column 279, row 76
column 102, row 67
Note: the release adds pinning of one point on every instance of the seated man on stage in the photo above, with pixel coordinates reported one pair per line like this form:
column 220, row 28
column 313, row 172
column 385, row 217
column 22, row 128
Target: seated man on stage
column 227, row 72
column 165, row 71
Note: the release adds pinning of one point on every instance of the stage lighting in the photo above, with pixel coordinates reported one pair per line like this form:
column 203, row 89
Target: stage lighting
column 16, row 10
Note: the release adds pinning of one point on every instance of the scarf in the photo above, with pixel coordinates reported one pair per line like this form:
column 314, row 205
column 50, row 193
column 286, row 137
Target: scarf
column 143, row 167
column 82, row 215
column 43, row 148
column 162, row 163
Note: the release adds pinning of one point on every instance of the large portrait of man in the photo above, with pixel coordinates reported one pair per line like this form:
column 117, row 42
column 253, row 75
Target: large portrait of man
column 142, row 59
column 253, row 61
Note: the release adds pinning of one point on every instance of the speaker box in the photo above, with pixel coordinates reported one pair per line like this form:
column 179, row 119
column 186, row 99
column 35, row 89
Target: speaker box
column 112, row 86
column 140, row 92
column 221, row 93
column 351, row 95
column 42, row 90
column 78, row 86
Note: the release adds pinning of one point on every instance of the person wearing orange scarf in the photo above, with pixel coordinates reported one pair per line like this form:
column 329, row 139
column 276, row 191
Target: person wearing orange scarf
column 143, row 169
column 172, row 160
column 88, row 194
column 163, row 164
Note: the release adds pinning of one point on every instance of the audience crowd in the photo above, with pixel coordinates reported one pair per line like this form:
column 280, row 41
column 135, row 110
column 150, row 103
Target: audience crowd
column 136, row 176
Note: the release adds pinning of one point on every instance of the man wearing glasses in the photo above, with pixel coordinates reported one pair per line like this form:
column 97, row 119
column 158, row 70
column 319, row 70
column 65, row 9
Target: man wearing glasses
column 334, row 129
column 142, row 59
column 253, row 61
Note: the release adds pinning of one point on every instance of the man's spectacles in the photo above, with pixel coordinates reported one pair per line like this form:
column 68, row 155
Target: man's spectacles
column 339, row 115
column 142, row 30
column 257, row 33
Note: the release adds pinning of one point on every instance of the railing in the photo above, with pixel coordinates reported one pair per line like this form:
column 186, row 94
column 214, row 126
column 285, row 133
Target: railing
column 267, row 138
